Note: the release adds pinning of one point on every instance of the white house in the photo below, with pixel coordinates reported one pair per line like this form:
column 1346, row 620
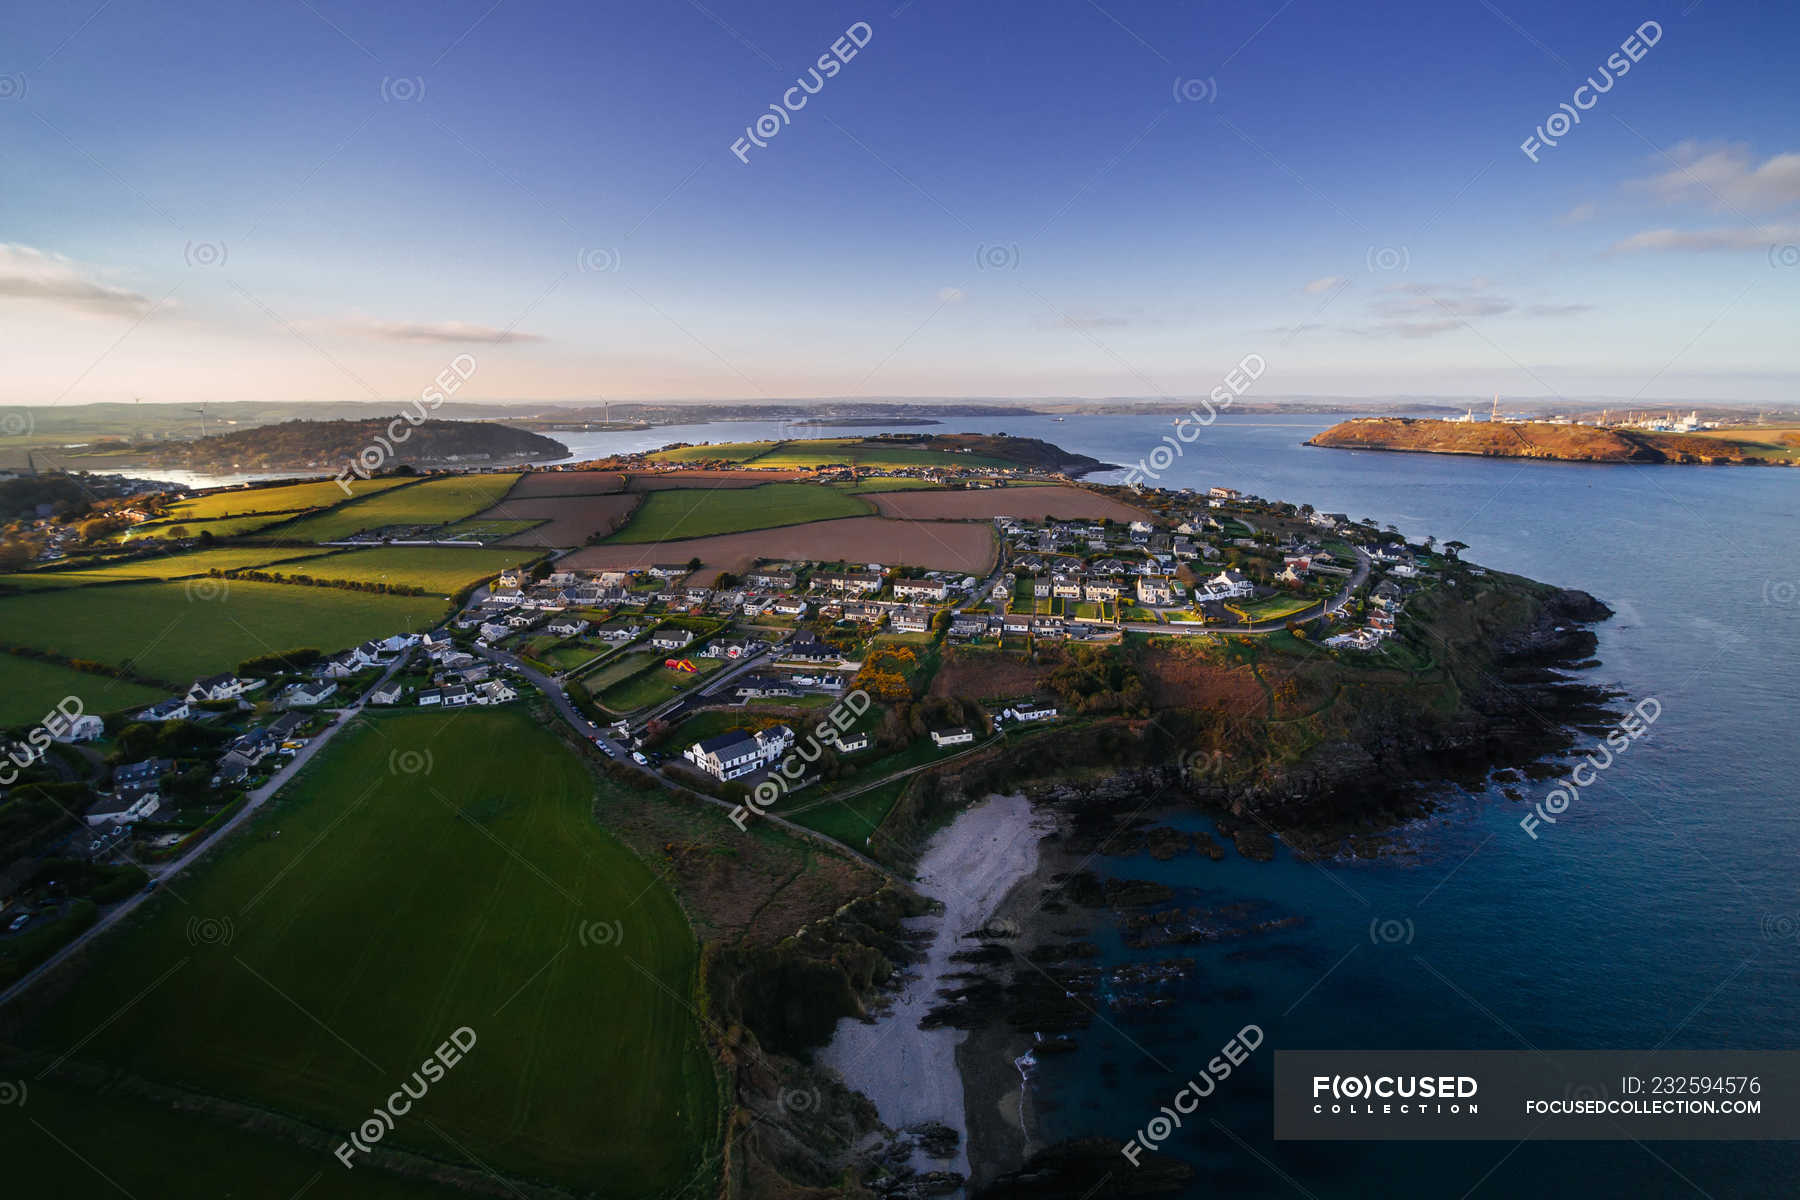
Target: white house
column 671, row 638
column 215, row 687
column 123, row 809
column 921, row 589
column 911, row 620
column 856, row 583
column 498, row 691
column 1100, row 589
column 1155, row 589
column 738, row 752
column 567, row 627
column 1032, row 712
column 952, row 737
column 167, row 710
column 1227, row 585
column 308, row 694
column 84, row 728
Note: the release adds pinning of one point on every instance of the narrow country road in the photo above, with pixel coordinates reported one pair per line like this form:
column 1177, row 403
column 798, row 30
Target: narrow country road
column 621, row 754
column 161, row 872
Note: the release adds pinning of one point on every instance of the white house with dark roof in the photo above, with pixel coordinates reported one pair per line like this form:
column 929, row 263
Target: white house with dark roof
column 739, row 752
column 215, row 687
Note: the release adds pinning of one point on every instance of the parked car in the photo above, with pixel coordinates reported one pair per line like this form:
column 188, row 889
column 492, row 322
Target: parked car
column 637, row 756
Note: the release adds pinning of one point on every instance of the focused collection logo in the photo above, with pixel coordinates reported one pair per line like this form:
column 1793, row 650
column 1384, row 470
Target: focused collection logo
column 1394, row 1095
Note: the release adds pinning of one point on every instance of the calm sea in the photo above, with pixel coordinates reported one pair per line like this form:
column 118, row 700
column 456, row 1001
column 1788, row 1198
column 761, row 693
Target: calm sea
column 1659, row 911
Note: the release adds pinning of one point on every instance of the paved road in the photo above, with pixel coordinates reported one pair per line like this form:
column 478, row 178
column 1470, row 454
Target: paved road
column 161, row 872
column 621, row 753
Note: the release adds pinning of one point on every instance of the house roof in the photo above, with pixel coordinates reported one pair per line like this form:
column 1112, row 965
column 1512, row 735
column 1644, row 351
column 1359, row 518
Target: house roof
column 725, row 741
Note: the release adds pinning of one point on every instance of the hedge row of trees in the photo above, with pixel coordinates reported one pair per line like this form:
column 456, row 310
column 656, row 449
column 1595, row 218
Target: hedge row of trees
column 87, row 665
column 349, row 585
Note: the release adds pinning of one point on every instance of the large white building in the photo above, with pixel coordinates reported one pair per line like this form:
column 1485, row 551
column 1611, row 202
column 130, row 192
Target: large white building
column 739, row 752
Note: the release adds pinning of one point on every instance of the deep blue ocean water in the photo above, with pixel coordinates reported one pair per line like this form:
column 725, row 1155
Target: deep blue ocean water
column 1657, row 912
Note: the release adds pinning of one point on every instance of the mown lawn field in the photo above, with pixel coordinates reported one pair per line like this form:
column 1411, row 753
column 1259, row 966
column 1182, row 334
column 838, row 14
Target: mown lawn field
column 702, row 512
column 222, row 527
column 78, row 1143
column 656, row 684
column 440, row 501
column 573, row 654
column 487, row 529
column 33, row 686
column 851, row 820
column 827, row 451
column 619, row 669
column 177, row 631
column 898, row 483
column 293, row 497
column 1271, row 608
column 429, row 872
column 163, row 566
column 818, row 452
column 440, row 569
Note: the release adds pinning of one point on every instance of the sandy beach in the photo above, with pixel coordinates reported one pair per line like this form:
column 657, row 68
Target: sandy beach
column 911, row 1073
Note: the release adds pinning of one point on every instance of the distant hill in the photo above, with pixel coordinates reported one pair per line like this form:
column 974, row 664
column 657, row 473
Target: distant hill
column 332, row 445
column 1027, row 452
column 1540, row 439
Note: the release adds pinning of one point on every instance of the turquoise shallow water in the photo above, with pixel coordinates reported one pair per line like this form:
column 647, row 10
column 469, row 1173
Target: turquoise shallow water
column 1659, row 910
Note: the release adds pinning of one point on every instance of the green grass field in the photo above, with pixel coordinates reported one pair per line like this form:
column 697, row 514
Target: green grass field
column 177, row 631
column 440, row 501
column 479, row 529
column 853, row 820
column 1272, row 608
column 33, row 686
column 699, row 512
column 817, row 452
column 656, row 684
column 162, row 566
column 440, row 569
column 572, row 655
column 311, row 973
column 223, row 527
column 293, row 497
column 899, row 483
column 79, row 1143
column 619, row 669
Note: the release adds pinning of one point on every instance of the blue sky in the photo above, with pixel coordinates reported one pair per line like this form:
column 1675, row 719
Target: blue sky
column 311, row 199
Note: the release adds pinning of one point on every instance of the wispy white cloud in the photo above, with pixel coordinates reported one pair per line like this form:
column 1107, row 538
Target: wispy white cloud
column 42, row 277
column 1325, row 283
column 448, row 332
column 1724, row 177
column 1423, row 310
column 1753, row 237
column 1578, row 215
